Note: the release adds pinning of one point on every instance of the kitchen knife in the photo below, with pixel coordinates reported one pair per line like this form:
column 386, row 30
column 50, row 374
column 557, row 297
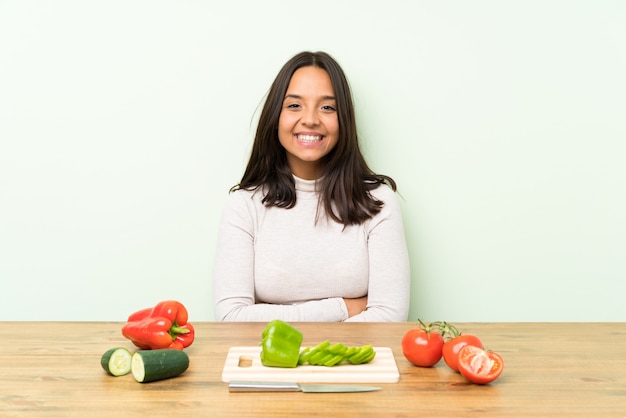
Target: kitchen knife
column 244, row 386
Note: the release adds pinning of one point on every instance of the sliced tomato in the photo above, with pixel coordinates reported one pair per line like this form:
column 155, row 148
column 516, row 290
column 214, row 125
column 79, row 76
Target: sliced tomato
column 480, row 366
column 452, row 347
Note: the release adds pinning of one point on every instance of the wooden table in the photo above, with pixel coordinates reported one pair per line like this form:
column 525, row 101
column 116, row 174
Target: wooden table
column 52, row 369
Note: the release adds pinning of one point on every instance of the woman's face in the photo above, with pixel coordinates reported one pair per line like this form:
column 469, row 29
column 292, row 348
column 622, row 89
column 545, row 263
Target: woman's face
column 308, row 127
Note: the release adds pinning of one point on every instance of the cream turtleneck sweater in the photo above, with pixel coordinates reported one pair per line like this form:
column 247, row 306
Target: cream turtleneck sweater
column 275, row 263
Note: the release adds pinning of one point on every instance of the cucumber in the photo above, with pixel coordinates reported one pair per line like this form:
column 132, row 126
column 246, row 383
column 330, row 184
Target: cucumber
column 116, row 361
column 150, row 365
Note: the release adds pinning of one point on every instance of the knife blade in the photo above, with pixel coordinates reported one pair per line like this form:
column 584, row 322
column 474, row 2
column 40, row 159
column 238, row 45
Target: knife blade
column 245, row 386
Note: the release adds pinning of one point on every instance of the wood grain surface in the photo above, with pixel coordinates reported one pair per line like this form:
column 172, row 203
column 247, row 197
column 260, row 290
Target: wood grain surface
column 52, row 369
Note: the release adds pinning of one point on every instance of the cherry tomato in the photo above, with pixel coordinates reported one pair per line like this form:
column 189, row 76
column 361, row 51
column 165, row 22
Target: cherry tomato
column 452, row 347
column 480, row 366
column 422, row 347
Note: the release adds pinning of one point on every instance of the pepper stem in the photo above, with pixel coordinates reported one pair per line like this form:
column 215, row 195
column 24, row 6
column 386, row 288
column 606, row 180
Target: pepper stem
column 179, row 330
column 176, row 330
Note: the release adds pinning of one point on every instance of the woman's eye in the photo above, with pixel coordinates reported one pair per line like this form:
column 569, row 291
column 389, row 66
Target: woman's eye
column 293, row 106
column 329, row 108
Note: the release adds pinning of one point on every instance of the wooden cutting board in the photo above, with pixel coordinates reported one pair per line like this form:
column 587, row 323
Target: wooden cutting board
column 382, row 369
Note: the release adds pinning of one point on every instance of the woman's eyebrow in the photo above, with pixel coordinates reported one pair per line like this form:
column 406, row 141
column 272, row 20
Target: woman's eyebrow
column 297, row 96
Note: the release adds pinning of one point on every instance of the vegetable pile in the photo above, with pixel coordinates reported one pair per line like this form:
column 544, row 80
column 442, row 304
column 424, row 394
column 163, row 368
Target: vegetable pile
column 161, row 333
column 425, row 345
column 281, row 344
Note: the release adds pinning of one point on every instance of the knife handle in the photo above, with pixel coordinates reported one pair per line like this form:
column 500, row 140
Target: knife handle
column 243, row 386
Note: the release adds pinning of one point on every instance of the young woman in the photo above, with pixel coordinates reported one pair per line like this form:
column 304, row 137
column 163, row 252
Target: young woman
column 310, row 233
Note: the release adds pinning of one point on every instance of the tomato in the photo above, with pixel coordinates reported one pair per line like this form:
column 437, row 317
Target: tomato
column 422, row 347
column 480, row 366
column 452, row 347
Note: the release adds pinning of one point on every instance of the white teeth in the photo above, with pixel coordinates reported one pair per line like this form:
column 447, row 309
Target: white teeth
column 309, row 138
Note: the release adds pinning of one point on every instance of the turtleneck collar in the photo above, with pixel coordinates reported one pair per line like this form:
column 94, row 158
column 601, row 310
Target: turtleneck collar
column 302, row 185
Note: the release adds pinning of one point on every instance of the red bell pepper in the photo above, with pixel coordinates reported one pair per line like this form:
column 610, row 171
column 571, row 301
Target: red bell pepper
column 164, row 326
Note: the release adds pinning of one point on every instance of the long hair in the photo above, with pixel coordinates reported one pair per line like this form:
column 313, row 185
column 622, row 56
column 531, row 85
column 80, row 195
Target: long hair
column 345, row 180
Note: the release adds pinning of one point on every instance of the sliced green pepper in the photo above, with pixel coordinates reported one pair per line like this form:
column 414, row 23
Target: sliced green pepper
column 325, row 354
column 281, row 343
column 280, row 346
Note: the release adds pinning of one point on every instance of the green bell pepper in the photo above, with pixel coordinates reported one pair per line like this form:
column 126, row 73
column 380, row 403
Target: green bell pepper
column 280, row 346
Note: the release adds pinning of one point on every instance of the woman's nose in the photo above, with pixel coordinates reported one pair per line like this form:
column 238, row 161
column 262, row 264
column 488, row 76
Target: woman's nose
column 310, row 117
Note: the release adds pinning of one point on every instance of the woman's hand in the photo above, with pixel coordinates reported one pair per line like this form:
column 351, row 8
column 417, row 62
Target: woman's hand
column 355, row 306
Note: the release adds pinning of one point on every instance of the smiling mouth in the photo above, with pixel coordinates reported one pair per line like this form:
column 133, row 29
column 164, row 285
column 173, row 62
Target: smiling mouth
column 309, row 138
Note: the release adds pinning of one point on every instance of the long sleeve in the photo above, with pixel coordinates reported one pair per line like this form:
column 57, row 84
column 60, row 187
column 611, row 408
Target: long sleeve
column 389, row 270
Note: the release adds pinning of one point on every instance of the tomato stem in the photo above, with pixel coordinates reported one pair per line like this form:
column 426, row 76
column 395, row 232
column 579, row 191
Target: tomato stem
column 447, row 331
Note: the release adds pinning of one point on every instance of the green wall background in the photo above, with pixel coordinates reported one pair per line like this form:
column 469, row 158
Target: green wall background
column 124, row 123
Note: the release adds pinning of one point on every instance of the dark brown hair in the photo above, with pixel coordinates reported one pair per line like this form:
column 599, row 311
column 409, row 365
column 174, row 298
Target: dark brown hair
column 346, row 180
